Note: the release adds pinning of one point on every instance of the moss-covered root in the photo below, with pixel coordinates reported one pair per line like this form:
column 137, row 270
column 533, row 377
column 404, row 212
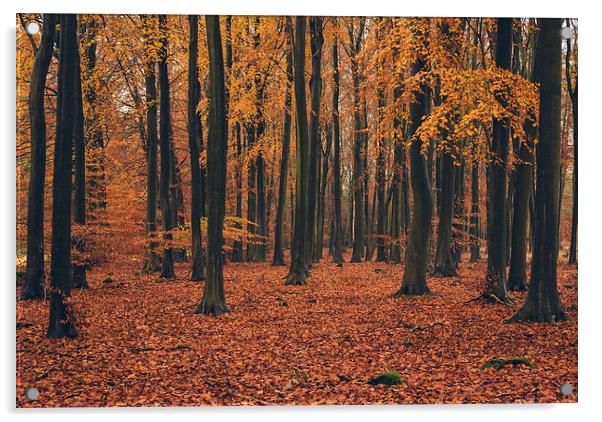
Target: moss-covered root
column 498, row 363
column 387, row 378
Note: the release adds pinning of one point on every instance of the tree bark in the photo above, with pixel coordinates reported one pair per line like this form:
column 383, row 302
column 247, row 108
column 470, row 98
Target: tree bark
column 444, row 264
column 337, row 191
column 298, row 268
column 543, row 301
column 34, row 279
column 198, row 265
column 167, row 270
column 60, row 322
column 417, row 250
column 495, row 288
column 214, row 301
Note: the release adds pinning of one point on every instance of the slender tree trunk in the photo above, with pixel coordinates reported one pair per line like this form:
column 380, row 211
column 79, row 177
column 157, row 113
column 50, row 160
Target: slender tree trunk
column 34, row 281
column 417, row 251
column 198, row 266
column 573, row 92
column 237, row 251
column 495, row 289
column 444, row 264
column 543, row 302
column 167, row 270
column 278, row 258
column 298, row 268
column 381, row 253
column 214, row 301
column 251, row 195
column 79, row 214
column 152, row 260
column 337, row 190
column 60, row 323
column 475, row 246
column 322, row 196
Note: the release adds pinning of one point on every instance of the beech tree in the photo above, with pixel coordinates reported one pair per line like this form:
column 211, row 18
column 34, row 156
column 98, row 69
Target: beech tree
column 338, row 218
column 60, row 323
column 34, row 273
column 543, row 303
column 166, row 192
column 214, row 301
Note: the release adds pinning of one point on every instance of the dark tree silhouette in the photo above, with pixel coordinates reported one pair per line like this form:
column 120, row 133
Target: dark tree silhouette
column 34, row 279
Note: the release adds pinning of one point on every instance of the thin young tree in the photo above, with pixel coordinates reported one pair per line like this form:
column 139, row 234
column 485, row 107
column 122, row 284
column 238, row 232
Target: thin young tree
column 417, row 249
column 167, row 270
column 34, row 279
column 60, row 322
column 198, row 268
column 298, row 268
column 278, row 258
column 214, row 301
column 495, row 288
column 336, row 163
column 543, row 302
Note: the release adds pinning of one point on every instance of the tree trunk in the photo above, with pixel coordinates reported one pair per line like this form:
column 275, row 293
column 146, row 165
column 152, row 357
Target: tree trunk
column 167, row 270
column 381, row 252
column 444, row 264
column 475, row 246
column 152, row 260
column 237, row 251
column 278, row 258
column 214, row 301
column 495, row 288
column 315, row 149
column 417, row 251
column 298, row 269
column 543, row 302
column 198, row 270
column 573, row 92
column 60, row 323
column 79, row 214
column 337, row 190
column 34, row 280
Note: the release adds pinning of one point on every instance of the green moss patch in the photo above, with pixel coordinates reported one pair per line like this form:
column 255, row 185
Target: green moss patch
column 498, row 363
column 387, row 378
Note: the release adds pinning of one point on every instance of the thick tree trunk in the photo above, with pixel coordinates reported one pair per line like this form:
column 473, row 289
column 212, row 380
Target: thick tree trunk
column 278, row 258
column 214, row 301
column 60, row 323
column 34, row 280
column 167, row 270
column 495, row 288
column 298, row 268
column 543, row 302
column 198, row 265
column 417, row 250
column 152, row 260
column 337, row 190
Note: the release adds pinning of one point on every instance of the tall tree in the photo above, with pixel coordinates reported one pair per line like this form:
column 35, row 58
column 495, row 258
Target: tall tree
column 152, row 260
column 495, row 288
column 278, row 258
column 34, row 281
column 417, row 249
column 214, row 301
column 60, row 323
column 543, row 302
column 198, row 270
column 298, row 267
column 355, row 43
column 572, row 89
column 315, row 148
column 336, row 163
column 79, row 200
column 167, row 270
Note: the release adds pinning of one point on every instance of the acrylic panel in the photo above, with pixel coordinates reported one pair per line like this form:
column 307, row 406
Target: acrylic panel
column 302, row 210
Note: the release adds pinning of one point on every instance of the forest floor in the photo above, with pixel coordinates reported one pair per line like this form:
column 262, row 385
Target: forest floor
column 141, row 344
